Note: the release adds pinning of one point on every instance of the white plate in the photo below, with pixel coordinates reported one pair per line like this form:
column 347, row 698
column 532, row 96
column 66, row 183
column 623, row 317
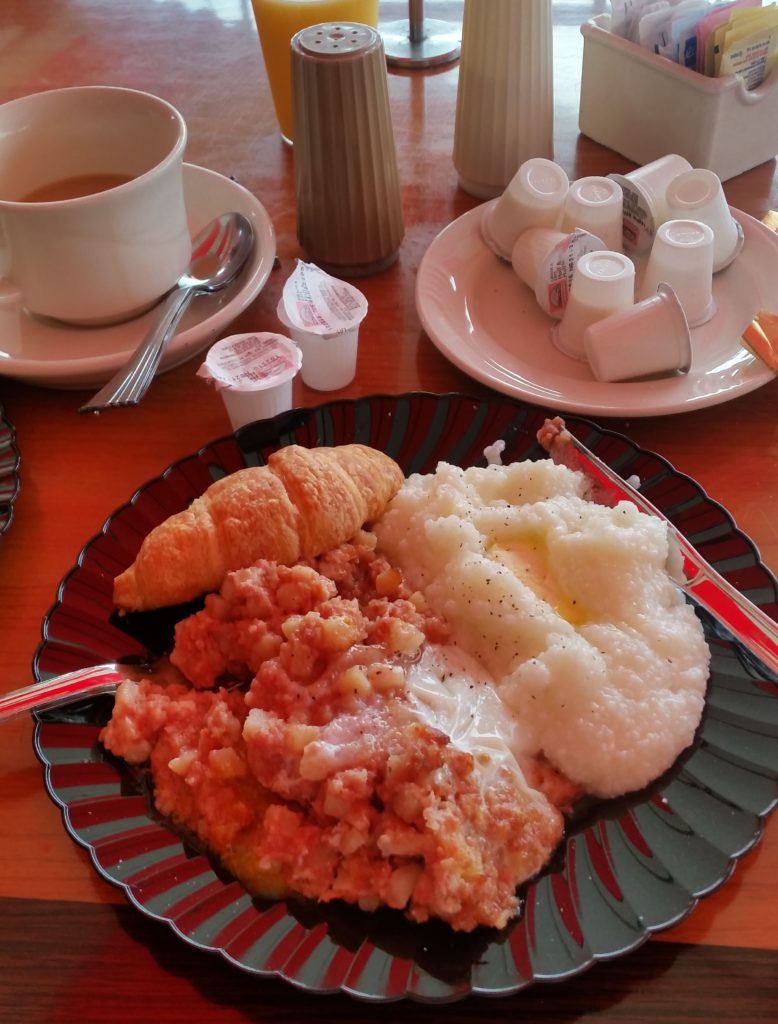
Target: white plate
column 60, row 356
column 486, row 321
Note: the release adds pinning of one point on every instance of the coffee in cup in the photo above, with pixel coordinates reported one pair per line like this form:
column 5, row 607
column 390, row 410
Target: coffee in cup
column 92, row 210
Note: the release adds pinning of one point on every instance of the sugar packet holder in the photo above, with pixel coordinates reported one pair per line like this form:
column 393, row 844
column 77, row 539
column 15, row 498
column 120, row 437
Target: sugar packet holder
column 667, row 108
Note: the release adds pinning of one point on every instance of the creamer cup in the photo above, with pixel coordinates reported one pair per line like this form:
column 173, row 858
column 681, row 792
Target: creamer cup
column 545, row 260
column 322, row 315
column 533, row 198
column 603, row 283
column 645, row 199
column 596, row 204
column 698, row 195
column 682, row 256
column 254, row 375
column 329, row 360
column 647, row 339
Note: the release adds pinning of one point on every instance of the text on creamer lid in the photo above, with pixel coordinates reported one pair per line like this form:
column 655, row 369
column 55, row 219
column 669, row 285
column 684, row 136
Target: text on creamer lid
column 318, row 303
column 251, row 361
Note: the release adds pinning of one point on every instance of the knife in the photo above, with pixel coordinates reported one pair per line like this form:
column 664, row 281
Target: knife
column 752, row 627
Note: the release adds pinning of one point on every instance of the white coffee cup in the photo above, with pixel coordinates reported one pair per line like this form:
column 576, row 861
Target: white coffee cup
column 92, row 210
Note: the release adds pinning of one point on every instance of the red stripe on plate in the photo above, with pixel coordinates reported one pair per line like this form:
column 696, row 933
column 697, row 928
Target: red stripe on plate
column 399, row 976
column 633, row 833
column 208, row 901
column 262, row 923
column 101, row 809
column 305, row 949
column 165, row 874
column 517, row 940
column 231, row 931
column 285, row 948
column 133, row 843
column 359, row 963
column 564, row 902
column 69, row 735
column 90, row 773
column 338, row 968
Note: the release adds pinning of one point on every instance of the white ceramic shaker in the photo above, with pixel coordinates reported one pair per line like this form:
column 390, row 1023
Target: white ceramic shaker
column 505, row 92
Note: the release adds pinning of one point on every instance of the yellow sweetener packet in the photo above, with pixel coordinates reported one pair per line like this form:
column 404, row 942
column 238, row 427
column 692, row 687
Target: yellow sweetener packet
column 739, row 19
column 734, row 24
column 753, row 55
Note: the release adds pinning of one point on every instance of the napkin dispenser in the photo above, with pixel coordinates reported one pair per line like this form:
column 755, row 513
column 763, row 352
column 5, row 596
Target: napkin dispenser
column 642, row 106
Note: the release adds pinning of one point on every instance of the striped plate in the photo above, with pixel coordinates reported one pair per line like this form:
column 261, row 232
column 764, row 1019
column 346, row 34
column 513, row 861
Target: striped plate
column 627, row 868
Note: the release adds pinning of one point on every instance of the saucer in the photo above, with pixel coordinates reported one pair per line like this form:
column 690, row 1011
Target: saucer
column 63, row 356
column 486, row 321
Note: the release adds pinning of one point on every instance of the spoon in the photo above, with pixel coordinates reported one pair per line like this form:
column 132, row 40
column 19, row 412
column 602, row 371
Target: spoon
column 219, row 253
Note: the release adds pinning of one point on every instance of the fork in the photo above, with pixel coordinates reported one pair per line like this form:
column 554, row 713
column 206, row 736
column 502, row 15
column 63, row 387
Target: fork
column 67, row 688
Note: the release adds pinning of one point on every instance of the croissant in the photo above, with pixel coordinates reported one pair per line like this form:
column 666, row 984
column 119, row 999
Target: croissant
column 303, row 503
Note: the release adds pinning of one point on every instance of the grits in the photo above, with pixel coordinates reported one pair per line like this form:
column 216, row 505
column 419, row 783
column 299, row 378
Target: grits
column 601, row 665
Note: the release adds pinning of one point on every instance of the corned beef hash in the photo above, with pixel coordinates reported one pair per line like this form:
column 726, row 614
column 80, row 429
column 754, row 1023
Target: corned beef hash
column 403, row 717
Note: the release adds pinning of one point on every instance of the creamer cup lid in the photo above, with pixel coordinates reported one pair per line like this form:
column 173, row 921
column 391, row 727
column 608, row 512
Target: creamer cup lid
column 315, row 302
column 555, row 275
column 251, row 362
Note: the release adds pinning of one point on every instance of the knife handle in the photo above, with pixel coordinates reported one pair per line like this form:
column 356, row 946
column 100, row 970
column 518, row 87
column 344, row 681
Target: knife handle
column 747, row 622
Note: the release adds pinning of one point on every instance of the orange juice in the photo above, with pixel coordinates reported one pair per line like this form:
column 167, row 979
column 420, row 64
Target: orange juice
column 279, row 20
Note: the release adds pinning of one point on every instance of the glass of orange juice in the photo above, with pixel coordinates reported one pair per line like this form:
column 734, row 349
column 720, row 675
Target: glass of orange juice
column 279, row 20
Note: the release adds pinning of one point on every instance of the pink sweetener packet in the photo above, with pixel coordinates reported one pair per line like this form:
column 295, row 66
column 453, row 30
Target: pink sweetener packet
column 719, row 14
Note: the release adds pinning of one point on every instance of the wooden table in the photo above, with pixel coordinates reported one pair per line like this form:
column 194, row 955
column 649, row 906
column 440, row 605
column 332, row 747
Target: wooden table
column 71, row 949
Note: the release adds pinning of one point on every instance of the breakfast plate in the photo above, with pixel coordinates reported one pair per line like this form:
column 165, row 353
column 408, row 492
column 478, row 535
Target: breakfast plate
column 9, row 472
column 61, row 356
column 486, row 321
column 627, row 867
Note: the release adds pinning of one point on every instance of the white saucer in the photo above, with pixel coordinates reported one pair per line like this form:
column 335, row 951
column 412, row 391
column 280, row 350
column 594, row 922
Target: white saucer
column 60, row 356
column 488, row 323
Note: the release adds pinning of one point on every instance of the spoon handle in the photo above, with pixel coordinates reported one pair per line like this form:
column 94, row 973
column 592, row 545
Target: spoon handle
column 130, row 384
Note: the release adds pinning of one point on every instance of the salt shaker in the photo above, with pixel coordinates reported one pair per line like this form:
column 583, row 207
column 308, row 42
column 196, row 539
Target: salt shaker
column 505, row 93
column 349, row 211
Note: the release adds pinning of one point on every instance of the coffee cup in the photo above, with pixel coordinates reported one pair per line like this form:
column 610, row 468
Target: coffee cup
column 92, row 210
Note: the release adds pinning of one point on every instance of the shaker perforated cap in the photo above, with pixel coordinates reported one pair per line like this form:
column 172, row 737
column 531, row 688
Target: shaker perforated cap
column 331, row 40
